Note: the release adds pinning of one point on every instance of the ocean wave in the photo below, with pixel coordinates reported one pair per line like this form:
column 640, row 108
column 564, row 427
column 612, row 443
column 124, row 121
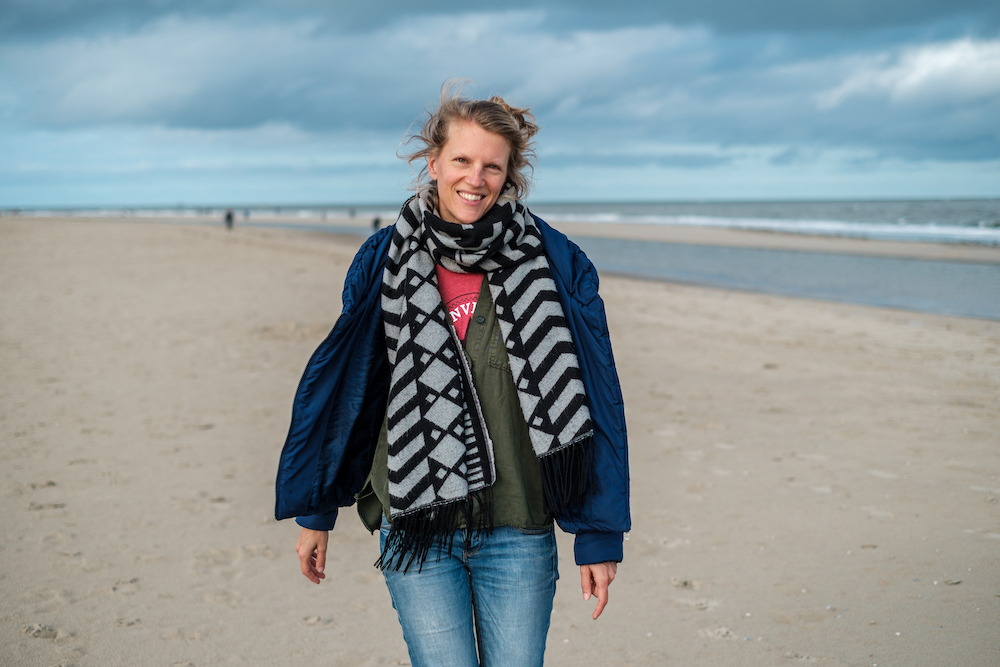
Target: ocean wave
column 983, row 232
column 928, row 233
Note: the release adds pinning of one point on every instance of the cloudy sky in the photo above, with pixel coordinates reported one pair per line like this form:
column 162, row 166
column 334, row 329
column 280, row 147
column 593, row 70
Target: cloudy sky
column 157, row 102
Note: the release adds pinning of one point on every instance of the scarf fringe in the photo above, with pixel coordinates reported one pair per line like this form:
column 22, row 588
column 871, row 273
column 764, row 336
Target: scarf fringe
column 566, row 475
column 413, row 535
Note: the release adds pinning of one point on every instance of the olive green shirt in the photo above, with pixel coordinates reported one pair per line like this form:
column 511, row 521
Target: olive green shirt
column 517, row 492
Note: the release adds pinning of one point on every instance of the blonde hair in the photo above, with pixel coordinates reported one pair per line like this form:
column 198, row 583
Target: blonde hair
column 495, row 115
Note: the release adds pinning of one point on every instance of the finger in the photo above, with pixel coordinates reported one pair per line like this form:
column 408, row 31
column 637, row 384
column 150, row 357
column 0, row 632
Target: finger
column 308, row 572
column 306, row 564
column 303, row 561
column 586, row 582
column 321, row 560
column 602, row 599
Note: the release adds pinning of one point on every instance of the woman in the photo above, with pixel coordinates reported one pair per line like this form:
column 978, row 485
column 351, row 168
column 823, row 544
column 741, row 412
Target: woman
column 466, row 397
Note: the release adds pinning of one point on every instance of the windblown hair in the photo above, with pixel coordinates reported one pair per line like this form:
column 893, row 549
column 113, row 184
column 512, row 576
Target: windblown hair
column 514, row 124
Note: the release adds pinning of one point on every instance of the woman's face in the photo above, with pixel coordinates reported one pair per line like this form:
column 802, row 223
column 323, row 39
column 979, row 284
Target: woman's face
column 470, row 171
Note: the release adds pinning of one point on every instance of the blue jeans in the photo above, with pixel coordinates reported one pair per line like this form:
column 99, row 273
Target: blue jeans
column 502, row 586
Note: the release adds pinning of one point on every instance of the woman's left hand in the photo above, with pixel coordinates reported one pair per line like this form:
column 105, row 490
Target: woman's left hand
column 311, row 549
column 595, row 579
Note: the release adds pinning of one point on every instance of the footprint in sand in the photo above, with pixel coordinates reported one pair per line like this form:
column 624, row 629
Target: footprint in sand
column 46, row 506
column 716, row 633
column 183, row 634
column 700, row 604
column 39, row 631
column 318, row 620
column 125, row 586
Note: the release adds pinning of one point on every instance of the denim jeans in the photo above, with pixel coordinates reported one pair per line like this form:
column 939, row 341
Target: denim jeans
column 502, row 586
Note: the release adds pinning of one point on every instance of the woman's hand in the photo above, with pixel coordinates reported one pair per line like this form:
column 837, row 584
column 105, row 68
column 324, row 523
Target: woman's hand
column 595, row 579
column 311, row 549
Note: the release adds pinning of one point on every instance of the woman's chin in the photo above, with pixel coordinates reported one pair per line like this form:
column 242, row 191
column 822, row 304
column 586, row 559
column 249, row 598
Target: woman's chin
column 469, row 217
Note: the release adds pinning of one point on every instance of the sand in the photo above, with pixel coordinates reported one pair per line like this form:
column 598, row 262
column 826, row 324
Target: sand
column 812, row 483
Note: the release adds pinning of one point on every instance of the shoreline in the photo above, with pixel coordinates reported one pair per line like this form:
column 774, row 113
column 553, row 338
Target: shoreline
column 681, row 234
column 913, row 277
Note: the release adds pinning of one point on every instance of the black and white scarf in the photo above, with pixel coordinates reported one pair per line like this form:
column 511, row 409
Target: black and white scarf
column 440, row 452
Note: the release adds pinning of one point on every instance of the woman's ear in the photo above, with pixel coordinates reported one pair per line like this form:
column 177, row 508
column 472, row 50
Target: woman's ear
column 432, row 168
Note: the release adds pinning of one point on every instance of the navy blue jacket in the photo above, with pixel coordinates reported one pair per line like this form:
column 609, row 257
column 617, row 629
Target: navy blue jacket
column 340, row 404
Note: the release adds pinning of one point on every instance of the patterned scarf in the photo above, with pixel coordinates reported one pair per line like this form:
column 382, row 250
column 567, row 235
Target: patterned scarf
column 440, row 453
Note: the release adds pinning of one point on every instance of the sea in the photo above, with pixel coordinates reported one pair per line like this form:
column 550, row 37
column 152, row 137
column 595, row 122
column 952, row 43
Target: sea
column 972, row 221
column 975, row 221
column 945, row 287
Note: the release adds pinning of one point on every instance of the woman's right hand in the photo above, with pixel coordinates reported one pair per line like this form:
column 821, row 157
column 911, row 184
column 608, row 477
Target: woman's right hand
column 311, row 549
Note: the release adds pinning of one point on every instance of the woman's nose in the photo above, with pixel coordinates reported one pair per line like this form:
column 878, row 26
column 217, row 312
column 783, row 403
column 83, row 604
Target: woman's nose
column 475, row 176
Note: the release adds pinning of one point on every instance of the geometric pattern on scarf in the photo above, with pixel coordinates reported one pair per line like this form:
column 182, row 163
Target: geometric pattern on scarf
column 439, row 447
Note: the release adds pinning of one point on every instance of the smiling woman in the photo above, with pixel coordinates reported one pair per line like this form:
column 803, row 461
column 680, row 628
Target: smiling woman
column 467, row 398
column 499, row 133
column 470, row 171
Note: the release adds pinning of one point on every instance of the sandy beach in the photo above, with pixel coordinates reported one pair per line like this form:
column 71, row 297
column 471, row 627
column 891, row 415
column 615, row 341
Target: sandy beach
column 812, row 483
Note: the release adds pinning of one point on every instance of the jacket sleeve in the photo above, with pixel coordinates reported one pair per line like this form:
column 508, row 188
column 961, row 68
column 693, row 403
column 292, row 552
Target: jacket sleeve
column 337, row 405
column 318, row 521
column 601, row 520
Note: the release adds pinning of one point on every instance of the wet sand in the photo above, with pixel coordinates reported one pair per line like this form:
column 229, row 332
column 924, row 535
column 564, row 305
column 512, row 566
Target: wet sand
column 812, row 483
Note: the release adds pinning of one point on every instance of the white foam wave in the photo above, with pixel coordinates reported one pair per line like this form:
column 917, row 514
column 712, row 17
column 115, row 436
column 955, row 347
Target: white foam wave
column 928, row 233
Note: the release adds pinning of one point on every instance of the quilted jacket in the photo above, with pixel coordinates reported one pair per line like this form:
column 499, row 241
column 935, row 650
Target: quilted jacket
column 340, row 404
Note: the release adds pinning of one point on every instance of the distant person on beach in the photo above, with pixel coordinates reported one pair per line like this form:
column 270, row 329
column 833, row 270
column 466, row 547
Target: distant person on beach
column 229, row 218
column 466, row 398
column 376, row 223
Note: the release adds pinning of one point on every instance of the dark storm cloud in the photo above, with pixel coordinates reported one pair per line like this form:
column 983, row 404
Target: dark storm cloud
column 33, row 18
column 192, row 67
column 642, row 85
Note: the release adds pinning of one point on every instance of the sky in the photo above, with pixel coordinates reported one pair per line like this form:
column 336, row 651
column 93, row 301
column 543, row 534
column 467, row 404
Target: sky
column 168, row 102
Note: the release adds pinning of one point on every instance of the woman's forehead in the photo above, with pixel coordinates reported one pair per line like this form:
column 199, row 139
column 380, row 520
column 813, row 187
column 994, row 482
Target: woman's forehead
column 468, row 135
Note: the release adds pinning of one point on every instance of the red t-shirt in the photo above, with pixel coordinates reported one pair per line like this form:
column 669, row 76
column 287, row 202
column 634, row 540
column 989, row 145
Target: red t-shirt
column 460, row 292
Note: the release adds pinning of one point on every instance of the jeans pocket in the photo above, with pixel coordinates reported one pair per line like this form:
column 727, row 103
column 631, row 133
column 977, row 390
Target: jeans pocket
column 384, row 527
